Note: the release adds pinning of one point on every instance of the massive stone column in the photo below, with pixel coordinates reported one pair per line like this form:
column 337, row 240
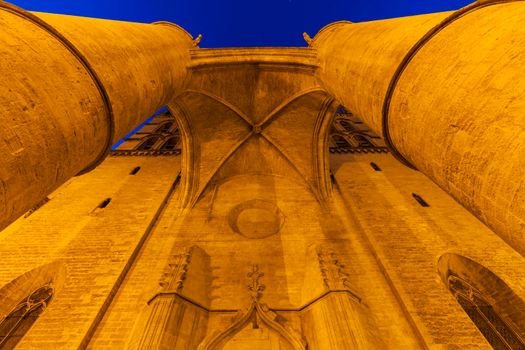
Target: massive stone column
column 70, row 88
column 447, row 92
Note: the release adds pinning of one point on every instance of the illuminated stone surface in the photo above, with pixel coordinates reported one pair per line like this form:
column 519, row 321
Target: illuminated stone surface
column 254, row 214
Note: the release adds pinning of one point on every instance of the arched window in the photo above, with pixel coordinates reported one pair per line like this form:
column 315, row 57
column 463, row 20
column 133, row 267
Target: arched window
column 148, row 144
column 164, row 127
column 347, row 126
column 491, row 304
column 497, row 332
column 170, row 144
column 362, row 141
column 340, row 141
column 16, row 324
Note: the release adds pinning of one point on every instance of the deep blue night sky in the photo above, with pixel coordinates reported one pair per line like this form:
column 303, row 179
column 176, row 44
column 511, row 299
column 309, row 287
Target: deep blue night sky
column 226, row 23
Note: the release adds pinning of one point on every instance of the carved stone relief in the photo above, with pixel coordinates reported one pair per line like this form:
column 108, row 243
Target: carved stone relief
column 256, row 218
column 176, row 316
column 333, row 272
column 179, row 315
column 258, row 327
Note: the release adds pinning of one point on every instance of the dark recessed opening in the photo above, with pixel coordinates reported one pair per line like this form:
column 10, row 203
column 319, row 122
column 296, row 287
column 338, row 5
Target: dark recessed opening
column 148, row 144
column 420, row 200
column 170, row 144
column 375, row 166
column 104, row 203
column 134, row 171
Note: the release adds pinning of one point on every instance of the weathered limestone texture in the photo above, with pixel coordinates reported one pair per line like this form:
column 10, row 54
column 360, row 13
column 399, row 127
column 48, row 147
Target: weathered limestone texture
column 172, row 320
column 446, row 91
column 82, row 249
column 242, row 102
column 70, row 88
column 253, row 213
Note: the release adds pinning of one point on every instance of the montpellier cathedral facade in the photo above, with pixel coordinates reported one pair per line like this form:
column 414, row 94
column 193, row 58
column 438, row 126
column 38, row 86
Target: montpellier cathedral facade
column 366, row 191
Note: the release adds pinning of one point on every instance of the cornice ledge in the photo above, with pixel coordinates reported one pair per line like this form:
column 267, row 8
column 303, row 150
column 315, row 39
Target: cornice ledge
column 117, row 153
column 281, row 56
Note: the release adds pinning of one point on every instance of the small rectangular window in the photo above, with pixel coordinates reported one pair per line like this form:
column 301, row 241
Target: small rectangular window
column 104, row 203
column 37, row 206
column 134, row 171
column 375, row 166
column 420, row 200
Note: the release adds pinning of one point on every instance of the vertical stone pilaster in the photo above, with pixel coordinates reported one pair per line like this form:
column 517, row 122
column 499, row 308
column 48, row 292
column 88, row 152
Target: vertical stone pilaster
column 176, row 317
column 337, row 318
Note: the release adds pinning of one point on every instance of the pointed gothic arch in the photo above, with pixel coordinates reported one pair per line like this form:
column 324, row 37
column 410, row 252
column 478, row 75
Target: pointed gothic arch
column 170, row 143
column 185, row 104
column 258, row 316
column 347, row 126
column 164, row 127
column 148, row 143
column 496, row 310
column 24, row 299
column 340, row 141
column 15, row 325
column 363, row 141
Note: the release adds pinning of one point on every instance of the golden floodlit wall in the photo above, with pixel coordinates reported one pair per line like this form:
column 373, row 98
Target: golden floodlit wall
column 254, row 213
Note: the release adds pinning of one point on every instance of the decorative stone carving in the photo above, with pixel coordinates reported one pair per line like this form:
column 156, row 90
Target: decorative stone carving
column 260, row 317
column 256, row 218
column 334, row 316
column 307, row 38
column 332, row 270
column 175, row 273
column 197, row 40
column 255, row 288
column 169, row 310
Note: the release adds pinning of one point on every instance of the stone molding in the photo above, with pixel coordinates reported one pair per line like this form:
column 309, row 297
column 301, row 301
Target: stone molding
column 275, row 56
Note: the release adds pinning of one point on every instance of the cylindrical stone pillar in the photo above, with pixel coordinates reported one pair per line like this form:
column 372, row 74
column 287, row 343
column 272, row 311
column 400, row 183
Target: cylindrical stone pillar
column 447, row 92
column 72, row 86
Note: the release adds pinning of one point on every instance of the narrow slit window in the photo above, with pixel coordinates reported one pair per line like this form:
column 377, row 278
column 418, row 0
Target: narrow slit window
column 37, row 206
column 420, row 200
column 104, row 203
column 375, row 166
column 135, row 171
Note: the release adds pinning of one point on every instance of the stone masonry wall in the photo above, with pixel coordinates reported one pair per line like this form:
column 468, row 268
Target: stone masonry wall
column 408, row 239
column 94, row 245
